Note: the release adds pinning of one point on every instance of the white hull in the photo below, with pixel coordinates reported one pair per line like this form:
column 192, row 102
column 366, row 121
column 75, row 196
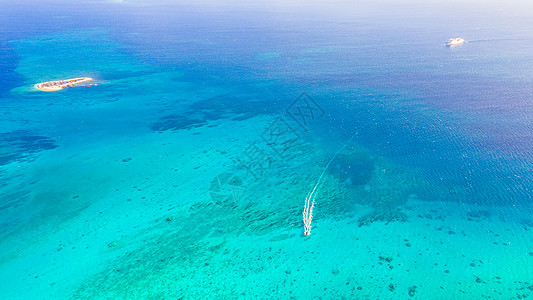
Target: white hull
column 455, row 42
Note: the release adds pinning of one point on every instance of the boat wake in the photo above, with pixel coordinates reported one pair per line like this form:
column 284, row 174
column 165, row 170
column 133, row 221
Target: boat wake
column 502, row 39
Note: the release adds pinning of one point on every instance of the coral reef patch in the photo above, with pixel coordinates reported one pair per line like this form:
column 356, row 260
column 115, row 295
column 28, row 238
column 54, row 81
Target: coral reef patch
column 22, row 145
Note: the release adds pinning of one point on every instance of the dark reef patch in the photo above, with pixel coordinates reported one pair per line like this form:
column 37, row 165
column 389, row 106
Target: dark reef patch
column 227, row 106
column 353, row 166
column 369, row 180
column 13, row 199
column 383, row 215
column 232, row 106
column 21, row 145
column 175, row 122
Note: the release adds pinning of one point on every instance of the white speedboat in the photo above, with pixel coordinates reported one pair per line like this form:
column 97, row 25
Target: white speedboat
column 455, row 42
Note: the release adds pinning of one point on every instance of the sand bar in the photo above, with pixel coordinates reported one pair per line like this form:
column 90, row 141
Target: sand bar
column 51, row 86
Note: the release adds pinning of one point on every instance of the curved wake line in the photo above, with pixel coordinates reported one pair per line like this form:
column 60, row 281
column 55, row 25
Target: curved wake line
column 308, row 205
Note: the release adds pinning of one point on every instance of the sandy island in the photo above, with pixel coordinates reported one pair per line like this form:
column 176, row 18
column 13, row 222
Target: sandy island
column 51, row 86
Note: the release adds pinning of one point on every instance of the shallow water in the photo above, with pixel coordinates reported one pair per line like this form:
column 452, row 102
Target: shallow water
column 184, row 172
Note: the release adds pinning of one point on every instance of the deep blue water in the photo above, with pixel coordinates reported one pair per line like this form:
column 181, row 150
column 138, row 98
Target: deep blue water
column 185, row 91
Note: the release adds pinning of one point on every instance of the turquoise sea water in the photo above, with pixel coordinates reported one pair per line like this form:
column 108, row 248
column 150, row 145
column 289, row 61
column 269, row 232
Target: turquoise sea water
column 183, row 173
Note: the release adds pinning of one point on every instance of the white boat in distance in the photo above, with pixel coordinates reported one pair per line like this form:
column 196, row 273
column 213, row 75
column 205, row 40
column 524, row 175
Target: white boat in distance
column 455, row 42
